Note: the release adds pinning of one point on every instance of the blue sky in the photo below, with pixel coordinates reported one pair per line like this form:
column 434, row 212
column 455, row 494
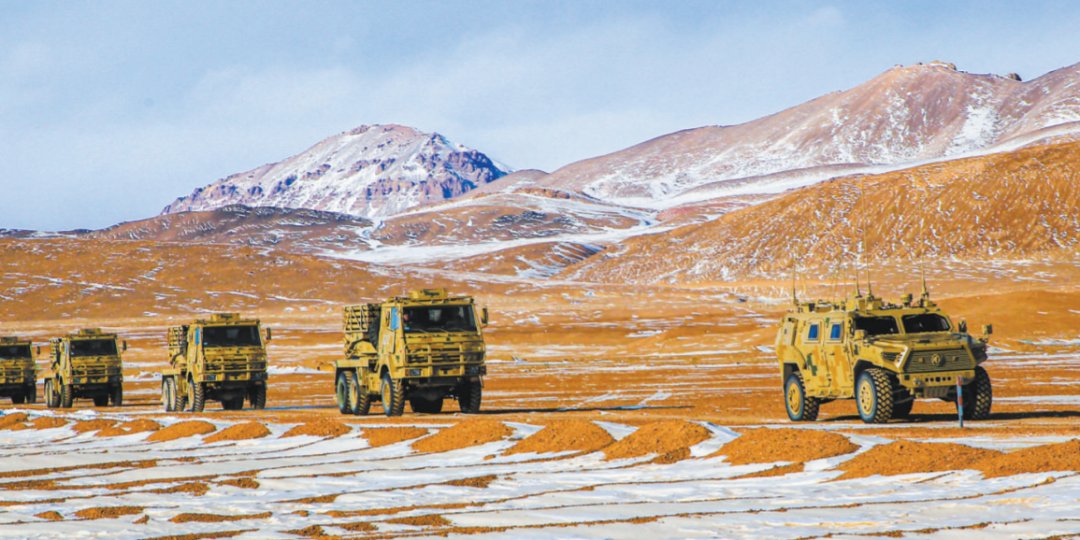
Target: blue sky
column 109, row 110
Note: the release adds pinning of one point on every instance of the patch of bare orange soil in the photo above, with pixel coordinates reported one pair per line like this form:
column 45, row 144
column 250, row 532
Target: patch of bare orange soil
column 665, row 437
column 430, row 520
column 1046, row 458
column 48, row 422
column 463, row 435
column 51, row 515
column 240, row 432
column 215, row 518
column 907, row 457
column 795, row 445
column 564, row 435
column 319, row 428
column 385, row 436
column 244, row 483
column 474, row 482
column 108, row 512
column 96, row 424
column 182, row 429
column 10, row 420
column 780, row 470
column 141, row 425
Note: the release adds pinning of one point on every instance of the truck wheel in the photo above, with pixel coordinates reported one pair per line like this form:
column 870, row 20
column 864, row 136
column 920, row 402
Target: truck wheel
column 257, row 396
column 424, row 405
column 470, row 394
column 800, row 407
column 360, row 398
column 393, row 396
column 52, row 400
column 116, row 396
column 67, row 396
column 101, row 401
column 874, row 396
column 341, row 393
column 168, row 394
column 234, row 404
column 31, row 393
column 978, row 396
column 196, row 396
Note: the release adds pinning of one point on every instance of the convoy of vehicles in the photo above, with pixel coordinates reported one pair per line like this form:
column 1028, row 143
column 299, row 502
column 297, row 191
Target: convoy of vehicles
column 85, row 364
column 885, row 356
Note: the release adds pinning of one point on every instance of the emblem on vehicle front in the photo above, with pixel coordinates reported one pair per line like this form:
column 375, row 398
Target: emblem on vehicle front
column 937, row 360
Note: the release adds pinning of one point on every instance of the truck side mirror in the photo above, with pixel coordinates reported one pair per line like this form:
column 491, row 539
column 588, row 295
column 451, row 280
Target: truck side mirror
column 860, row 335
column 484, row 316
column 269, row 334
column 962, row 327
column 124, row 346
column 988, row 329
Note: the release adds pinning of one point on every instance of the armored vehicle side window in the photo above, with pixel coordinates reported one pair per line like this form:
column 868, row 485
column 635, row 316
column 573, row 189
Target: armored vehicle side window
column 93, row 347
column 439, row 319
column 926, row 322
column 835, row 331
column 230, row 336
column 15, row 351
column 876, row 326
column 813, row 332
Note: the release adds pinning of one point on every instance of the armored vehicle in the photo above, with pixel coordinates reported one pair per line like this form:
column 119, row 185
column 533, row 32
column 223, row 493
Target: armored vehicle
column 883, row 355
column 85, row 364
column 222, row 358
column 18, row 373
column 423, row 347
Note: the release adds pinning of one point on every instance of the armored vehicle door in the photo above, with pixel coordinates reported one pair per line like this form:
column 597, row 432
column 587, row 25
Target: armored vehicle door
column 834, row 353
column 811, row 337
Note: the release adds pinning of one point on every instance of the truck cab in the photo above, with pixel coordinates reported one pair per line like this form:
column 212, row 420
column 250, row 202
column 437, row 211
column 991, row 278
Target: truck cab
column 18, row 372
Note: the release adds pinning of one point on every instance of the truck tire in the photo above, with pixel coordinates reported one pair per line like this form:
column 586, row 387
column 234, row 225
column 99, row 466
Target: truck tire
column 874, row 396
column 341, row 393
column 800, row 407
column 52, row 400
column 978, row 396
column 168, row 394
column 393, row 396
column 31, row 393
column 424, row 405
column 116, row 395
column 67, row 396
column 196, row 396
column 361, row 398
column 470, row 393
column 234, row 404
column 257, row 397
column 101, row 401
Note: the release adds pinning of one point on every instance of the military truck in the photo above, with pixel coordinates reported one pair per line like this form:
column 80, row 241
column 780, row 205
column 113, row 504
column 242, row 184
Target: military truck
column 222, row 358
column 85, row 364
column 18, row 373
column 885, row 356
column 424, row 348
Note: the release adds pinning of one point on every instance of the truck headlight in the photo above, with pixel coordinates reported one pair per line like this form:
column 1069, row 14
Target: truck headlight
column 414, row 372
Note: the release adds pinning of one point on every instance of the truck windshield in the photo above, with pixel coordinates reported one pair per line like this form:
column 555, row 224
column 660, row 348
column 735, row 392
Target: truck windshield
column 439, row 319
column 14, row 351
column 877, row 326
column 230, row 336
column 926, row 322
column 93, row 347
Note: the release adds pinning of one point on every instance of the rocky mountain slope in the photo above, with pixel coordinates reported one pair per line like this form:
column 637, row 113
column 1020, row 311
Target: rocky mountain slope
column 1012, row 205
column 904, row 116
column 372, row 171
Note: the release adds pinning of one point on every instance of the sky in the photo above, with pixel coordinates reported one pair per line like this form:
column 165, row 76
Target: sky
column 111, row 109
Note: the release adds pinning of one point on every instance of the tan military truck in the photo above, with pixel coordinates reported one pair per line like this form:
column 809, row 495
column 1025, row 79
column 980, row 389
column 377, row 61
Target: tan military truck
column 85, row 364
column 222, row 358
column 885, row 356
column 423, row 347
column 18, row 372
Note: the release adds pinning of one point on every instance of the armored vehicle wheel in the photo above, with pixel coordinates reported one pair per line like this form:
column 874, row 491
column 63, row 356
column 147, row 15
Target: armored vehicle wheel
column 67, row 396
column 116, row 395
column 341, row 393
column 874, row 396
column 17, row 399
column 168, row 394
column 800, row 407
column 903, row 410
column 196, row 396
column 31, row 393
column 257, row 396
column 423, row 405
column 234, row 404
column 978, row 396
column 360, row 398
column 52, row 399
column 393, row 396
column 101, row 401
column 470, row 394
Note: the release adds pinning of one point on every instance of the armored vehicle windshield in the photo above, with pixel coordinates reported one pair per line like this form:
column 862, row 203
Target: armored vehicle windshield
column 439, row 319
column 93, row 347
column 925, row 322
column 14, row 351
column 231, row 336
column 877, row 326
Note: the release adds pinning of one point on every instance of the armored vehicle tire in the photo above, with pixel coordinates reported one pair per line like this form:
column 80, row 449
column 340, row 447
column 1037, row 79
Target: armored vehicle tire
column 902, row 410
column 800, row 407
column 341, row 393
column 67, row 396
column 978, row 396
column 31, row 393
column 196, row 396
column 470, row 393
column 393, row 396
column 257, row 396
column 116, row 395
column 234, row 404
column 359, row 398
column 52, row 400
column 421, row 404
column 168, row 394
column 101, row 401
column 874, row 396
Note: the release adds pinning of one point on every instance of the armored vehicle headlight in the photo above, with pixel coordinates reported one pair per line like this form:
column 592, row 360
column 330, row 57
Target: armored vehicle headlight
column 414, row 372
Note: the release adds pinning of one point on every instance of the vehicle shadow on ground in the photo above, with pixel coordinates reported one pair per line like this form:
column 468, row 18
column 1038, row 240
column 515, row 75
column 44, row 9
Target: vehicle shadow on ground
column 944, row 417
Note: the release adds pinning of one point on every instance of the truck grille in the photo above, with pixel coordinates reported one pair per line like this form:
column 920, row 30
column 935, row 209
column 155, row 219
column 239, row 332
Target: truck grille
column 938, row 360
